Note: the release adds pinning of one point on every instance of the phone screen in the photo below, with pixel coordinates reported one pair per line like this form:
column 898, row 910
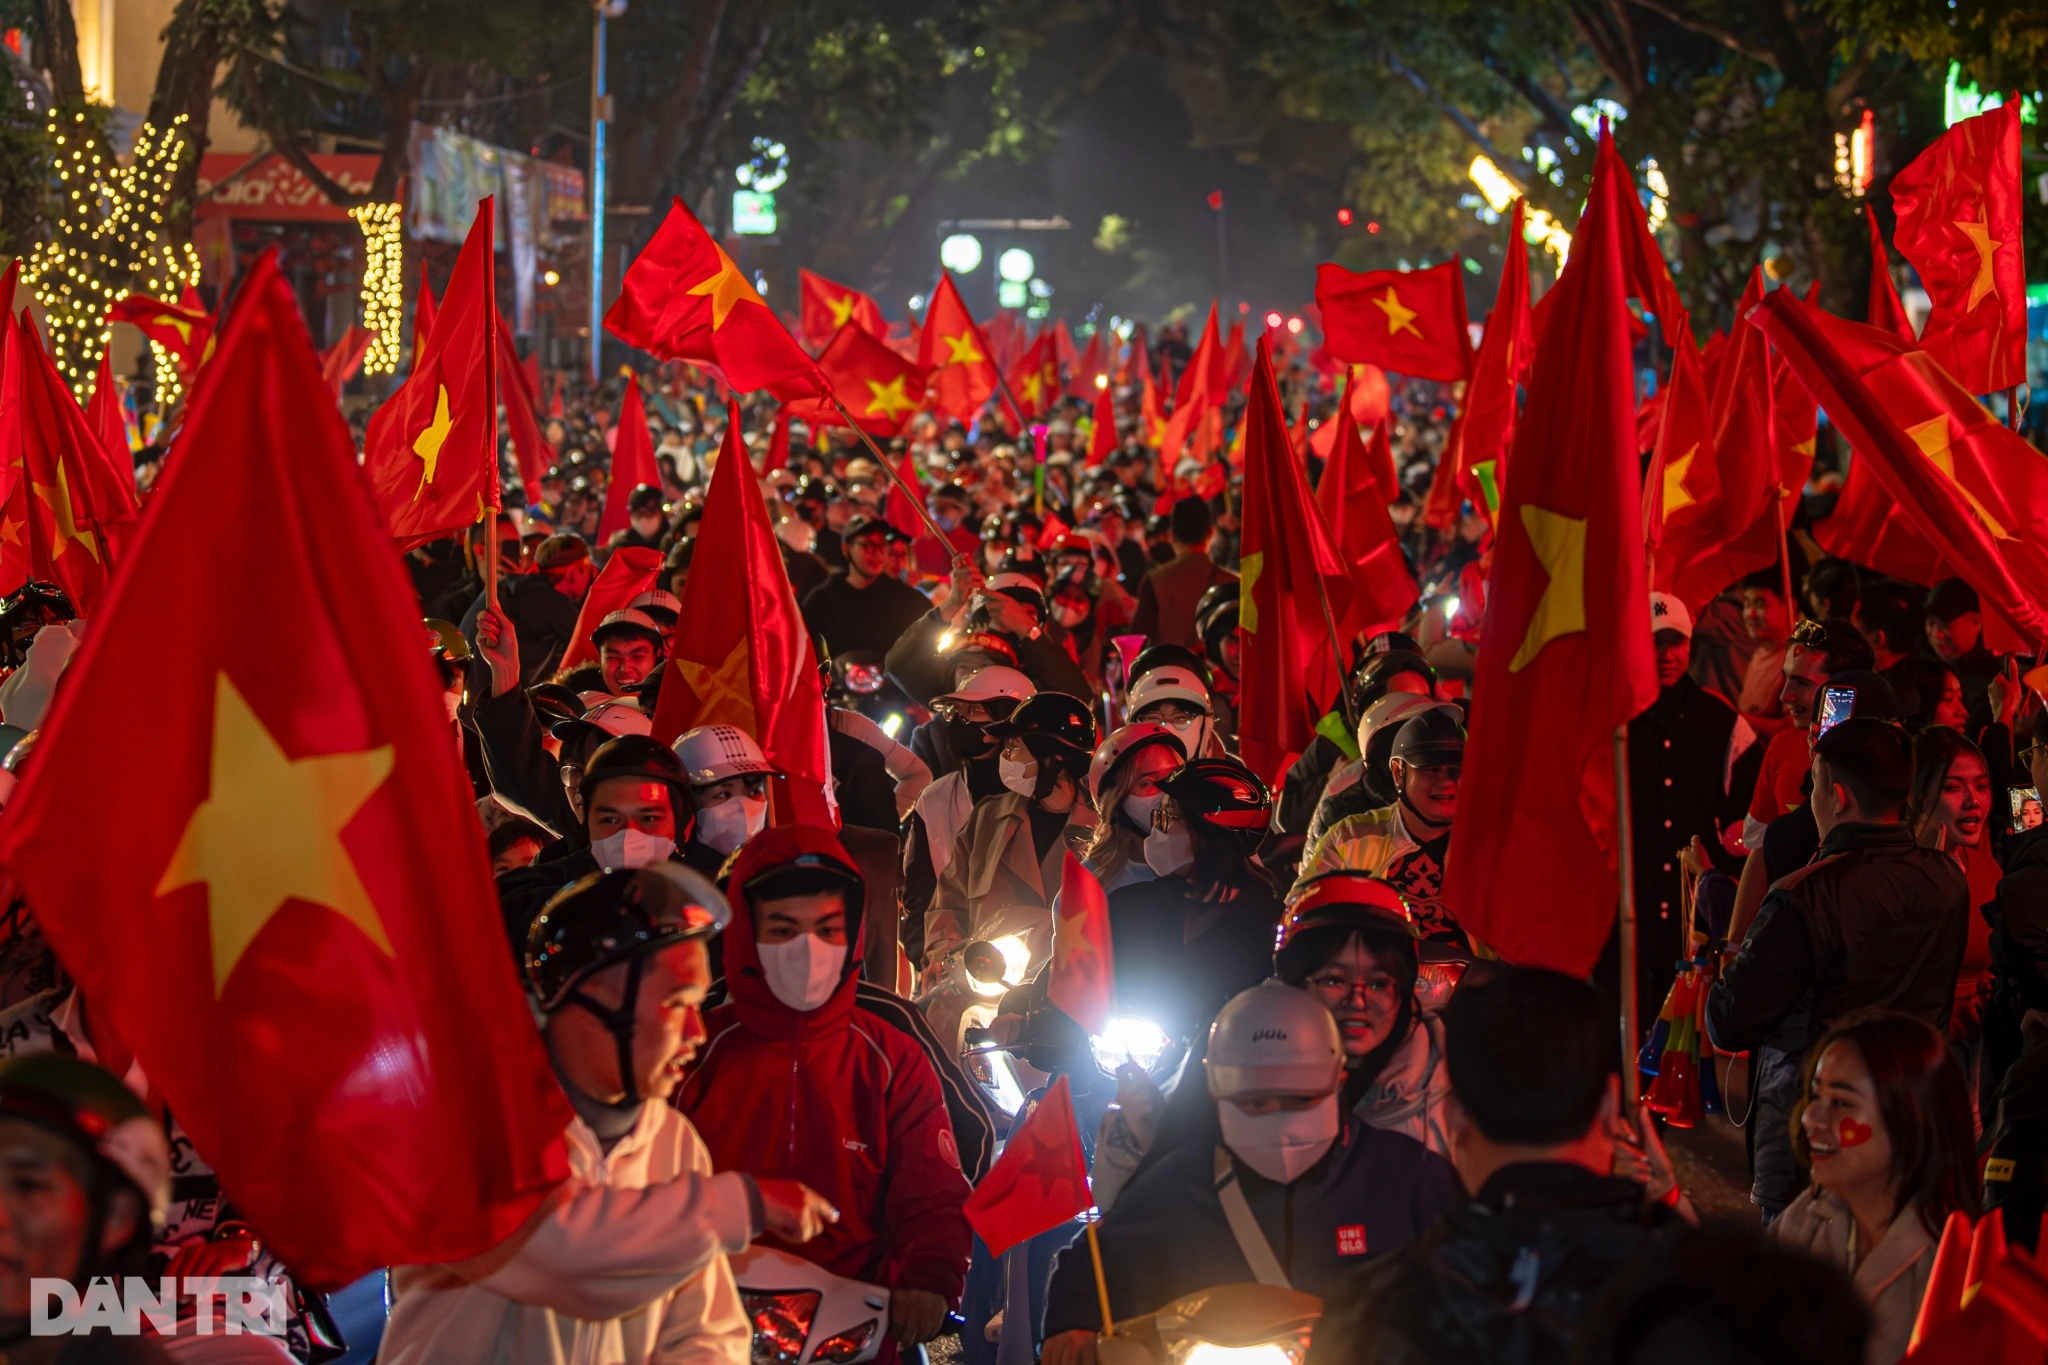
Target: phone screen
column 1836, row 705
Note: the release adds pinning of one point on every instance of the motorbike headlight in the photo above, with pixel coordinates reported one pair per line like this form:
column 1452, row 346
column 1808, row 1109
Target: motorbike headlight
column 1208, row 1353
column 996, row 1072
column 782, row 1323
column 1016, row 960
column 1128, row 1038
column 1434, row 984
column 847, row 1345
column 892, row 724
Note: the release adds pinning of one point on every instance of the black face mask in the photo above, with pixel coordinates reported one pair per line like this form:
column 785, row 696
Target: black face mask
column 966, row 738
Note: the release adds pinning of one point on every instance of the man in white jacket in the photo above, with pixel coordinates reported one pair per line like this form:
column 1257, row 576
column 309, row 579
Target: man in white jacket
column 626, row 1262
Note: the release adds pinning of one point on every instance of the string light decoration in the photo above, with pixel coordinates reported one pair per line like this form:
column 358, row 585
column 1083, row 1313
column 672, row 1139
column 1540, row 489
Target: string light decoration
column 383, row 283
column 109, row 239
column 169, row 387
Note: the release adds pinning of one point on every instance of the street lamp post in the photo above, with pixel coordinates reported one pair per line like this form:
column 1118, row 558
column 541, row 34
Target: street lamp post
column 600, row 120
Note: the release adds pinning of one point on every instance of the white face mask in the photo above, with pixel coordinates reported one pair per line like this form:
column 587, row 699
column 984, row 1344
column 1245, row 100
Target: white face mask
column 1280, row 1146
column 804, row 972
column 1021, row 778
column 725, row 826
column 1138, row 809
column 630, row 848
column 1170, row 852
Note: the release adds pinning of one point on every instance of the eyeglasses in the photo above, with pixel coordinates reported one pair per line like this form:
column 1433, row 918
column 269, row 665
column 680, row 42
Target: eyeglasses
column 1345, row 989
column 2026, row 755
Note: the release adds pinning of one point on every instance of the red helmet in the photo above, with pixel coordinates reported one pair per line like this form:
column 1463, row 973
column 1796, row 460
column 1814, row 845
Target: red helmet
column 1346, row 900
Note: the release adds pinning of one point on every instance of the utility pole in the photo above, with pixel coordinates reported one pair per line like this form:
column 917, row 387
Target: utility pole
column 1222, row 250
column 600, row 121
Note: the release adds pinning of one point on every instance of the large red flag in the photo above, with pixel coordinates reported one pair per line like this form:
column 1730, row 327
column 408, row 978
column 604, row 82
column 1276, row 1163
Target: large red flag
column 1642, row 262
column 1977, row 491
column 827, row 306
column 423, row 310
column 110, row 463
column 746, row 658
column 181, row 330
column 516, row 390
column 1202, row 390
column 880, row 388
column 1886, row 309
column 1039, row 1182
column 1102, row 436
column 1288, row 567
column 339, row 362
column 1958, row 209
column 1354, row 505
column 1866, row 527
column 433, row 459
column 73, row 495
column 955, row 354
column 1740, row 529
column 1027, row 377
column 897, row 506
column 1486, row 428
column 628, row 573
column 1089, row 368
column 632, row 463
column 290, row 936
column 1565, row 657
column 1083, row 980
column 1409, row 321
column 683, row 298
column 1682, row 491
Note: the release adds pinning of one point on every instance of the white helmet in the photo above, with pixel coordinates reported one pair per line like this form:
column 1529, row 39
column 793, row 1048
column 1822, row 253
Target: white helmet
column 712, row 753
column 1124, row 740
column 1167, row 683
column 987, row 684
column 1392, row 709
column 1273, row 1039
column 619, row 716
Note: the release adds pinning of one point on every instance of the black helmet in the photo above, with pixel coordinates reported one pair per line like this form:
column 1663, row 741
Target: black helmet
column 554, row 703
column 1376, row 670
column 1221, row 792
column 1052, row 725
column 645, row 498
column 643, row 757
column 606, row 918
column 89, row 1106
column 1165, row 656
column 1215, row 617
column 1434, row 739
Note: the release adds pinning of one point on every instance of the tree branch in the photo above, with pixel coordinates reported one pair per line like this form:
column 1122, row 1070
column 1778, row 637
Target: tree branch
column 705, row 135
column 1727, row 38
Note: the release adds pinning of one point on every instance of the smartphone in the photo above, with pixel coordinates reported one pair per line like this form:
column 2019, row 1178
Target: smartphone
column 1837, row 704
column 2026, row 809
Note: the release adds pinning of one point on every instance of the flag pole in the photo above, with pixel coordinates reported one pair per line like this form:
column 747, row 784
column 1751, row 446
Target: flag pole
column 1631, row 1081
column 1785, row 559
column 916, row 499
column 1337, row 656
column 1101, row 1282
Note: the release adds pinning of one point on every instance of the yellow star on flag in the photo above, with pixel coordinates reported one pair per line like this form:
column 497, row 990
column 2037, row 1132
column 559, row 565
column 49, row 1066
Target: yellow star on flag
column 1400, row 317
column 889, row 399
column 722, row 690
column 269, row 832
column 1560, row 544
column 1676, row 494
column 1248, row 578
column 68, row 529
column 726, row 288
column 10, row 532
column 427, row 445
column 1932, row 436
column 962, row 350
column 173, row 320
column 1032, row 386
column 1981, row 238
column 842, row 309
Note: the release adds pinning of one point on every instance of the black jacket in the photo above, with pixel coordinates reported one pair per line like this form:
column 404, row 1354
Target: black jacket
column 543, row 620
column 1502, row 1281
column 2019, row 950
column 1180, row 958
column 870, row 618
column 916, row 666
column 1874, row 920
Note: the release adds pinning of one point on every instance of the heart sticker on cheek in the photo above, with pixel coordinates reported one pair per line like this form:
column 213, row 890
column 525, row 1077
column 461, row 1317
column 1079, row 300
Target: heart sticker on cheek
column 1855, row 1134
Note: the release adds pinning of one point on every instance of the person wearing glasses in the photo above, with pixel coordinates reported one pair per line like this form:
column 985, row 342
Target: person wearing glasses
column 1818, row 650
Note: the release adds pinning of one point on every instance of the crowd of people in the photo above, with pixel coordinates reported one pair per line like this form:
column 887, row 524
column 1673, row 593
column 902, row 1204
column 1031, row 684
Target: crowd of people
column 793, row 1051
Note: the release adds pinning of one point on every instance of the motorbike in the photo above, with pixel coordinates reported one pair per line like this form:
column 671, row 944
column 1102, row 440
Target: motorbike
column 859, row 683
column 803, row 1314
column 1231, row 1324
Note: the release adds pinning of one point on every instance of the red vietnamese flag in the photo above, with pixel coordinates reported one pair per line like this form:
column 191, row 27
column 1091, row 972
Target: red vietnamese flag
column 423, row 310
column 1958, row 207
column 828, row 306
column 1102, row 435
column 1039, row 1182
column 1005, row 339
column 1487, row 425
column 1886, row 309
column 899, row 511
column 880, row 387
column 1083, row 977
column 1028, row 378
column 1202, row 390
column 629, row 572
column 103, row 418
column 289, row 938
column 1642, row 261
column 955, row 354
column 746, row 659
column 1090, row 368
column 1565, row 656
column 1370, row 400
column 1354, row 506
column 1285, row 550
column 14, row 565
column 339, row 362
column 433, row 461
column 683, row 298
column 1866, row 527
column 1742, row 528
column 632, row 463
column 1237, row 362
column 1409, row 321
column 183, row 331
column 516, row 389
column 73, row 493
column 1682, row 488
column 1977, row 492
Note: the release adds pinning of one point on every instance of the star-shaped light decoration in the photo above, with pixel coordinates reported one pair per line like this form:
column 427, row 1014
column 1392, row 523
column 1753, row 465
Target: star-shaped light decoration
column 727, row 288
column 888, row 400
column 1560, row 545
column 1400, row 317
column 427, row 445
column 1933, row 438
column 722, row 690
column 1981, row 238
column 269, row 832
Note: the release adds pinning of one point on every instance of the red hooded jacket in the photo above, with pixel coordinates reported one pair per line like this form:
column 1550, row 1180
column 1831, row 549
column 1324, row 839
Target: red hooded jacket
column 835, row 1098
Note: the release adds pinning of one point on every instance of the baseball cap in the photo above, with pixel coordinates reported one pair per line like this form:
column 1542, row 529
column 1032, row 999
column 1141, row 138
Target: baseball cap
column 991, row 683
column 1668, row 613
